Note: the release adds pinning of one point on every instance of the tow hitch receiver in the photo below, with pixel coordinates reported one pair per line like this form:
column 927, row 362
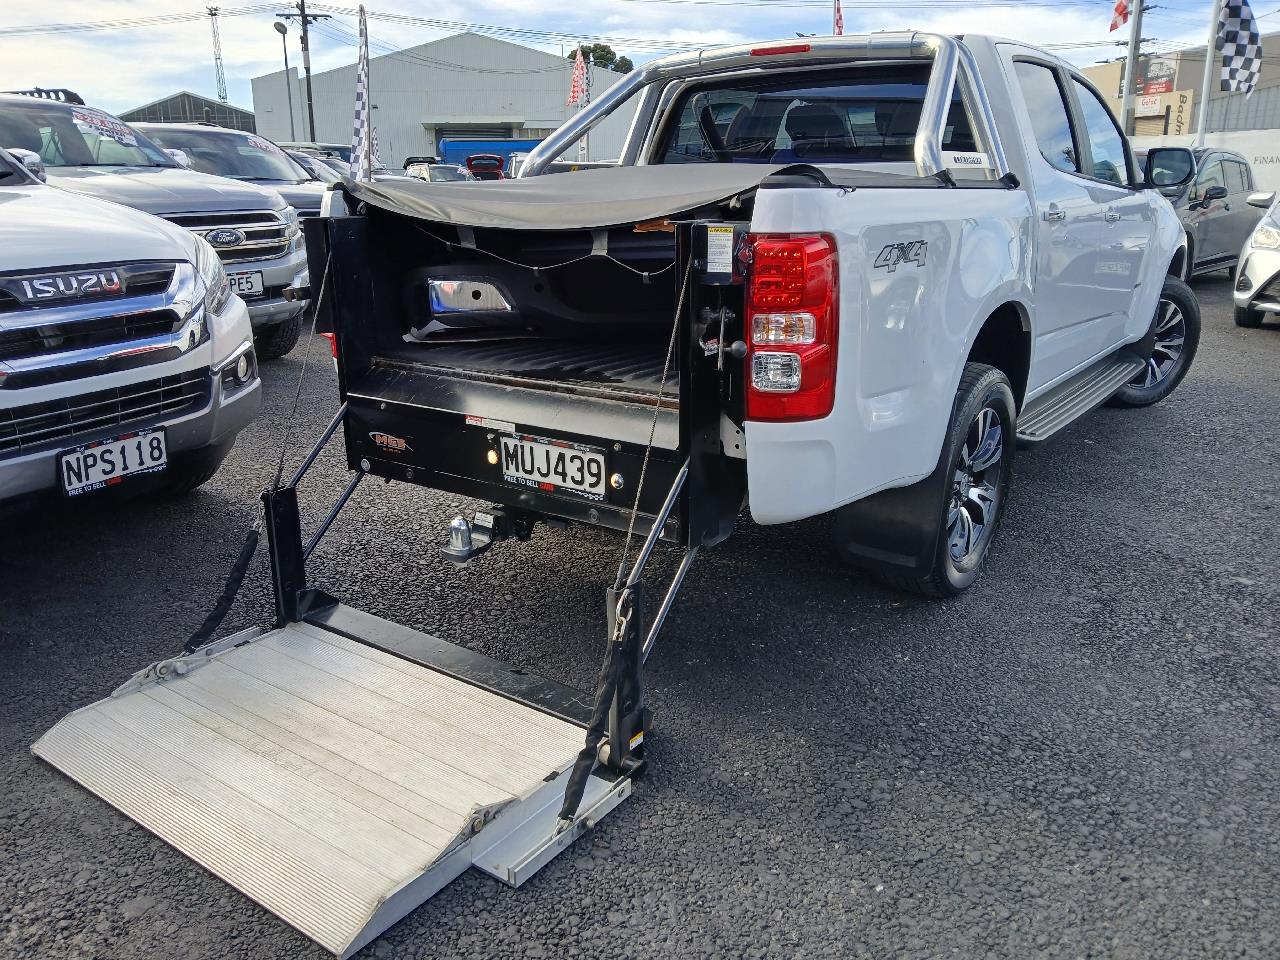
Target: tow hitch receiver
column 470, row 538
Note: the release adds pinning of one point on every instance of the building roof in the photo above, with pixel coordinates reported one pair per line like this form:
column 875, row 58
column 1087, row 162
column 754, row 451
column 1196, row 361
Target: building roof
column 194, row 96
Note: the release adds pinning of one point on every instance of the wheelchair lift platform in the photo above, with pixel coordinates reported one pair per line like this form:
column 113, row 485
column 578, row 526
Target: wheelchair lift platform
column 340, row 769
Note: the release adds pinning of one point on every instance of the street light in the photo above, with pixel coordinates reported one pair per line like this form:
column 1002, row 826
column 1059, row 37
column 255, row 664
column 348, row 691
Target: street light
column 288, row 84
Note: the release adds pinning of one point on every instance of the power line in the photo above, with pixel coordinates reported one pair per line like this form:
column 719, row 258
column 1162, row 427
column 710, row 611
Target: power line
column 159, row 20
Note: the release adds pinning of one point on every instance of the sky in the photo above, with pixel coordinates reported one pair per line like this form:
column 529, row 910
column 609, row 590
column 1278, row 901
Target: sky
column 116, row 69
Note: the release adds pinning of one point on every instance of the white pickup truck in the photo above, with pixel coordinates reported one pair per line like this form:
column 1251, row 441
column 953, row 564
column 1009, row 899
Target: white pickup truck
column 886, row 259
column 837, row 275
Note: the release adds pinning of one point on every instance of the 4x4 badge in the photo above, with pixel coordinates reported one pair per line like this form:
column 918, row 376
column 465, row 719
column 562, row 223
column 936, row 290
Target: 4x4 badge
column 896, row 253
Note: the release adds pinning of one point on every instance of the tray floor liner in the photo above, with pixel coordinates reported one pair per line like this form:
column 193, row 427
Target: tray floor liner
column 336, row 785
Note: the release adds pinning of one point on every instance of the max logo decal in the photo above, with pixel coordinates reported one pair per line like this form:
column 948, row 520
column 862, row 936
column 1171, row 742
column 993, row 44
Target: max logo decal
column 896, row 253
column 387, row 442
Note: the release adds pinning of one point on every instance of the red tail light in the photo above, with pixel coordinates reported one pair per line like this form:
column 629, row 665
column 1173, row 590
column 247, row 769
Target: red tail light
column 333, row 343
column 792, row 326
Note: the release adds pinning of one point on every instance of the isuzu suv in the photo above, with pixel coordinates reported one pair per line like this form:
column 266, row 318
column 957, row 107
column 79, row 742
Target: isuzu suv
column 253, row 230
column 123, row 352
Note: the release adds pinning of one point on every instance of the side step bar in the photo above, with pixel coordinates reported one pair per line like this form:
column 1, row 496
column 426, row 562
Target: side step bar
column 337, row 784
column 1074, row 397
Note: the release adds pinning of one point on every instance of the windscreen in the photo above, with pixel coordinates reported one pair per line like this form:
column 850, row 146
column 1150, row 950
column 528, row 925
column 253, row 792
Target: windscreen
column 439, row 174
column 75, row 136
column 225, row 153
column 862, row 115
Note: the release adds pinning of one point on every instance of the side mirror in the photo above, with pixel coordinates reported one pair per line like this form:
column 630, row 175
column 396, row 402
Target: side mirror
column 1216, row 192
column 181, row 157
column 1263, row 200
column 31, row 161
column 1168, row 167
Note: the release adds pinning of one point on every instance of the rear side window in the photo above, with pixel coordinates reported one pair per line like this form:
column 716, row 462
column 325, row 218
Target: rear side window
column 1105, row 143
column 1050, row 120
column 1238, row 180
column 863, row 115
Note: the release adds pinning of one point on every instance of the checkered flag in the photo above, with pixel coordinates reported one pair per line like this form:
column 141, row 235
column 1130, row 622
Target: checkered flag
column 1240, row 46
column 362, row 136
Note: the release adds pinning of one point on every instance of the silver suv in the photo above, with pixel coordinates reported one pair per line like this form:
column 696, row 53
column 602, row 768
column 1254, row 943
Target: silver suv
column 253, row 230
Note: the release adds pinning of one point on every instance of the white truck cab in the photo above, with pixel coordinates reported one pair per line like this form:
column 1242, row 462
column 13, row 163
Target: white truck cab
column 125, row 359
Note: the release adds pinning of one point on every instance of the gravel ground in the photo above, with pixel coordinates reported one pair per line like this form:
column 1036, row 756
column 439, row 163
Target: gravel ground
column 1078, row 759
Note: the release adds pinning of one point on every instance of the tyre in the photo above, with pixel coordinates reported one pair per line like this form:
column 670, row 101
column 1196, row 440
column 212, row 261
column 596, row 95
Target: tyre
column 976, row 462
column 193, row 470
column 274, row 342
column 1176, row 326
column 1247, row 318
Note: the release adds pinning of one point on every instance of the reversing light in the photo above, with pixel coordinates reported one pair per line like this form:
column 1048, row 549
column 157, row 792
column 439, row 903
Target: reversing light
column 783, row 328
column 776, row 372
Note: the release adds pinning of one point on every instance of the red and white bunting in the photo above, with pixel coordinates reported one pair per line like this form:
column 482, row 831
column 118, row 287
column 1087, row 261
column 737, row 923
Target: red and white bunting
column 837, row 28
column 1120, row 15
column 578, row 82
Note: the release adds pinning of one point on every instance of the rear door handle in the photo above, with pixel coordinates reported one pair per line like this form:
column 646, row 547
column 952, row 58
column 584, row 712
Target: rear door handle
column 1055, row 214
column 1111, row 216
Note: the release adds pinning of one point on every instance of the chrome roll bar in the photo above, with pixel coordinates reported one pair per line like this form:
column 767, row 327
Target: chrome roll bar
column 950, row 56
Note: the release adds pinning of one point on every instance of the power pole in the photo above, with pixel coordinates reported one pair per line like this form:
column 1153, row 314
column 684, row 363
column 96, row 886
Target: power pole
column 1127, row 121
column 217, row 55
column 305, row 19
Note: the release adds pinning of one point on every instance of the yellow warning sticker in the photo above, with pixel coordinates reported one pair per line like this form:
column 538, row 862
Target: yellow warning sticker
column 637, row 739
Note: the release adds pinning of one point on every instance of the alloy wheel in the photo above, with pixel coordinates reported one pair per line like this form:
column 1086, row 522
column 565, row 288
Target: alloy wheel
column 975, row 486
column 1171, row 333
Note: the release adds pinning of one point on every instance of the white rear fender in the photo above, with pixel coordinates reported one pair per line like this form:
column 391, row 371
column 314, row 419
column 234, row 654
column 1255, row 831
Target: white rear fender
column 920, row 270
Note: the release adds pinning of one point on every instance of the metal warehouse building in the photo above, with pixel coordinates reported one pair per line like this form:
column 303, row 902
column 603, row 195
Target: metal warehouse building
column 188, row 107
column 465, row 86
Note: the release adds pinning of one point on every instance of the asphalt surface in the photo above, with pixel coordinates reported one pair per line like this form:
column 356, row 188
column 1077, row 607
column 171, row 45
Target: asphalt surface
column 1078, row 759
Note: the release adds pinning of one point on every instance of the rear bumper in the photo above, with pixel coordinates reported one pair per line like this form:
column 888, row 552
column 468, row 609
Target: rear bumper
column 218, row 421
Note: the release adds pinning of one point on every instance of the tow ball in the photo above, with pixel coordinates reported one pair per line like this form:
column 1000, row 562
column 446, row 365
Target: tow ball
column 470, row 538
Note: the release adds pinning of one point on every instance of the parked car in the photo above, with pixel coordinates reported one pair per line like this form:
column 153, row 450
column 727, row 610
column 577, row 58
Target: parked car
column 240, row 156
column 340, row 150
column 320, row 172
column 1257, row 291
column 1214, row 209
column 439, row 172
column 124, row 353
column 887, row 286
column 252, row 228
column 486, row 166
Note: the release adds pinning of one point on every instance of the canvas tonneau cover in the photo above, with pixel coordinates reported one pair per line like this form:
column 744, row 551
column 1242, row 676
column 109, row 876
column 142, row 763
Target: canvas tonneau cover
column 584, row 200
column 612, row 197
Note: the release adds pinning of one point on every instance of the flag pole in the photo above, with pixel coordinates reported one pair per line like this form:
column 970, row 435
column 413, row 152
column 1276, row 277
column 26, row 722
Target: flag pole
column 1127, row 120
column 1202, row 122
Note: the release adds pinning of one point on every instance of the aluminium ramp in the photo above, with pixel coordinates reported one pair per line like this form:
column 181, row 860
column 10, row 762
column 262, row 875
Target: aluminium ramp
column 337, row 785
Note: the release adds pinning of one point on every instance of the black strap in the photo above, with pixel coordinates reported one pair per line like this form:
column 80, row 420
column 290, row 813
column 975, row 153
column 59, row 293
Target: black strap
column 234, row 579
column 586, row 759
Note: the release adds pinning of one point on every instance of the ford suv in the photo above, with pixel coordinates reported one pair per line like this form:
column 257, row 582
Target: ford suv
column 253, row 230
column 125, row 359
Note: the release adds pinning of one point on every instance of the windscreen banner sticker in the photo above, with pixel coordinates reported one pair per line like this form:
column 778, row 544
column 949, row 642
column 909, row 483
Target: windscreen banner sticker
column 978, row 161
column 719, row 249
column 105, row 125
column 266, row 146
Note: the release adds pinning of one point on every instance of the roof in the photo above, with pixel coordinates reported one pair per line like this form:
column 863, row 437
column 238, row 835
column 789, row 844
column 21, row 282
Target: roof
column 194, row 96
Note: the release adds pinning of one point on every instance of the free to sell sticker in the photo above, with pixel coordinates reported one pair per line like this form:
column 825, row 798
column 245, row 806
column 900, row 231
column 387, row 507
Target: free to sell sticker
column 104, row 125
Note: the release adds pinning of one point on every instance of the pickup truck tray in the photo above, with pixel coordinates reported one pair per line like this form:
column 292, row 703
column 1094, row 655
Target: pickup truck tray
column 336, row 783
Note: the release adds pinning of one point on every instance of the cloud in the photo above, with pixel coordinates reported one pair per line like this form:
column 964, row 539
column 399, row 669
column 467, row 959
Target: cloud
column 119, row 69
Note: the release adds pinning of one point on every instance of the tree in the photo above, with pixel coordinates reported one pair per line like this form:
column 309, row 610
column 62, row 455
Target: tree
column 602, row 55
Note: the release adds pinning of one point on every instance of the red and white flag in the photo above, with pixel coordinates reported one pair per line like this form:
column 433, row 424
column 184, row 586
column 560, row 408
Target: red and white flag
column 1120, row 15
column 837, row 28
column 578, row 82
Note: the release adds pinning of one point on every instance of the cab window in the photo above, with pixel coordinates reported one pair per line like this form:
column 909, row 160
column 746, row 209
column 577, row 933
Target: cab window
column 1106, row 146
column 1050, row 119
column 864, row 115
